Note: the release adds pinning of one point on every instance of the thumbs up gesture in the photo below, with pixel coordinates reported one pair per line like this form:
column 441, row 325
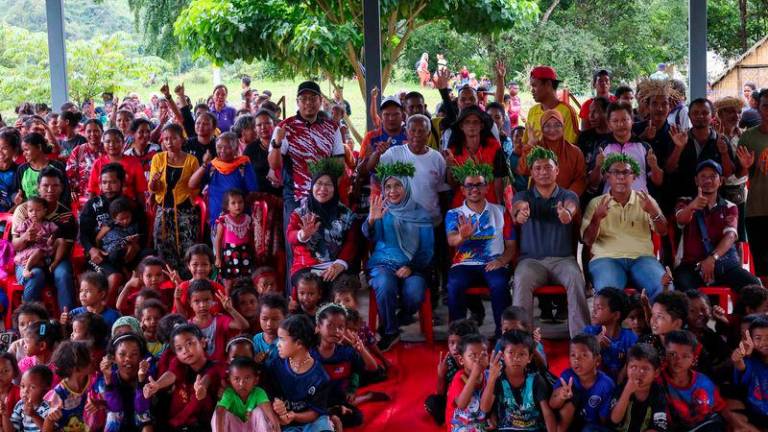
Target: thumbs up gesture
column 64, row 317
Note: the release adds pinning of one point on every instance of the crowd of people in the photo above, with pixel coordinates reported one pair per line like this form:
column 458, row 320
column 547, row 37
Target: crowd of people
column 197, row 267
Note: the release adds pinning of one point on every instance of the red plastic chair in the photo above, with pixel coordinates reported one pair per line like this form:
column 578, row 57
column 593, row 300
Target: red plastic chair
column 201, row 203
column 425, row 315
column 722, row 294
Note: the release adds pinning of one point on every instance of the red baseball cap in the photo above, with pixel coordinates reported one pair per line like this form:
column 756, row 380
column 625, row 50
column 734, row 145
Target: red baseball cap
column 544, row 73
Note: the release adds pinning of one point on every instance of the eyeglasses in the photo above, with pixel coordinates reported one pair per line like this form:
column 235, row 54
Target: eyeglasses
column 553, row 126
column 622, row 173
column 478, row 186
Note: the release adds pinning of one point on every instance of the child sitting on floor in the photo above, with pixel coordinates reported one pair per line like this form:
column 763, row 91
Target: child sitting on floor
column 240, row 346
column 265, row 280
column 9, row 392
column 34, row 252
column 73, row 365
column 517, row 396
column 309, row 293
column 514, row 318
column 272, row 311
column 636, row 319
column 463, row 411
column 693, row 399
column 583, row 394
column 40, row 339
column 668, row 313
column 150, row 313
column 91, row 329
column 93, row 295
column 712, row 349
column 31, row 412
column 244, row 406
column 199, row 259
column 215, row 326
column 343, row 355
column 26, row 314
column 641, row 405
column 608, row 312
column 246, row 301
column 447, row 367
column 150, row 274
column 750, row 361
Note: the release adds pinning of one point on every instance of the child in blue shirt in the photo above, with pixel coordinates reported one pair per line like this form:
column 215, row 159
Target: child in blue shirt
column 272, row 310
column 92, row 294
column 583, row 394
column 750, row 361
column 608, row 312
column 301, row 382
column 517, row 395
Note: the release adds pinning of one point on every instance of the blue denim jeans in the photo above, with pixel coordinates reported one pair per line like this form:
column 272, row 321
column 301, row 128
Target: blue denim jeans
column 62, row 280
column 461, row 277
column 644, row 272
column 387, row 286
column 322, row 424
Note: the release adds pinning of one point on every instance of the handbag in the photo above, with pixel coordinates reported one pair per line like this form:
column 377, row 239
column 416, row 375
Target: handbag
column 726, row 262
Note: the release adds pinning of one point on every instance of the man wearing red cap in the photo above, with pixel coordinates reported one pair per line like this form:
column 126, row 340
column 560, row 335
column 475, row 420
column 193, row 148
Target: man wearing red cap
column 544, row 84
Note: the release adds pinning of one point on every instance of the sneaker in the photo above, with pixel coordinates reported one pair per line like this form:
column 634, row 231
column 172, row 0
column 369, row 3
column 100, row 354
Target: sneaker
column 388, row 341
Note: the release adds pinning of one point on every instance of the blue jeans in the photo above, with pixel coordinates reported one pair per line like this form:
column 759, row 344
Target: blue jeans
column 461, row 277
column 322, row 424
column 644, row 272
column 387, row 287
column 62, row 280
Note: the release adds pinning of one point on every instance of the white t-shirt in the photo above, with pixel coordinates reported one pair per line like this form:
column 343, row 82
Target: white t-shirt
column 429, row 178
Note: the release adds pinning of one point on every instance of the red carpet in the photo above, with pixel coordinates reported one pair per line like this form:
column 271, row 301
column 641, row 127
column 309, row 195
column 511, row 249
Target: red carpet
column 413, row 377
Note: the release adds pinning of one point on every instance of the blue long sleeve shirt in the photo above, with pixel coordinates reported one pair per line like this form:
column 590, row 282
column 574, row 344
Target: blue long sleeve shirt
column 387, row 250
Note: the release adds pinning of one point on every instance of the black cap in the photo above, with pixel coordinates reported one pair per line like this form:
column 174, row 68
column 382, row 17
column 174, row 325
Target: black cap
column 308, row 86
column 709, row 163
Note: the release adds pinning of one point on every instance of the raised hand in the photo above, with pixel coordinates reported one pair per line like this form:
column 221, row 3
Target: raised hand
column 309, row 225
column 105, row 366
column 443, row 79
column 722, row 145
column 64, row 318
column 166, row 91
column 679, row 137
column 745, row 348
column 666, row 279
column 719, row 314
column 603, row 338
column 599, row 159
column 699, row 202
column 501, row 69
column 466, row 227
column 601, row 211
column 207, row 157
column 745, row 156
column 563, row 213
column 172, row 275
column 522, row 212
column 150, row 388
column 143, row 370
column 279, row 134
column 351, row 338
column 496, row 366
column 179, row 90
column 565, row 392
column 382, row 147
column 442, row 364
column 201, row 387
column 377, row 209
column 450, row 159
column 652, row 160
column 225, row 300
column 648, row 204
column 537, row 335
column 375, row 93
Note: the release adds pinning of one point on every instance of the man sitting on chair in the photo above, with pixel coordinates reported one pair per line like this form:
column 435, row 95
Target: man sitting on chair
column 484, row 240
column 545, row 213
column 619, row 226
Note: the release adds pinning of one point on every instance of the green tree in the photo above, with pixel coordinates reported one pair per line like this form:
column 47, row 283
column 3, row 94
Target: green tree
column 104, row 63
column 325, row 38
column 735, row 25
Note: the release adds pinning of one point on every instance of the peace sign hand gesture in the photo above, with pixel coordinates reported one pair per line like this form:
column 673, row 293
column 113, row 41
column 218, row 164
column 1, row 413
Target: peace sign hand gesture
column 495, row 367
column 309, row 225
column 201, row 387
column 652, row 160
column 565, row 392
column 648, row 204
column 601, row 211
column 172, row 275
column 745, row 348
column 442, row 364
column 353, row 339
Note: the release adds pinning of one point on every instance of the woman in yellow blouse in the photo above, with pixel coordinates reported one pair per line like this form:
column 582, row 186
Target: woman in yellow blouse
column 176, row 220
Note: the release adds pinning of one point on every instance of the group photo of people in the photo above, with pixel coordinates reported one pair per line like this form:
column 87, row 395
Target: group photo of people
column 240, row 264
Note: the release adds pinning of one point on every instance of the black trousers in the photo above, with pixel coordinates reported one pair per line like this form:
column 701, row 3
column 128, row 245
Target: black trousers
column 757, row 233
column 687, row 277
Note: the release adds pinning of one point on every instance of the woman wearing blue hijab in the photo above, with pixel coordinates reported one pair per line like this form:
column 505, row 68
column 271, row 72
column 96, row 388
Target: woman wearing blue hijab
column 403, row 236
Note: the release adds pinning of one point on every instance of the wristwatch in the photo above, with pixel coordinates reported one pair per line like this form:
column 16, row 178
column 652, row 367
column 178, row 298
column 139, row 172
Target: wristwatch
column 715, row 256
column 274, row 144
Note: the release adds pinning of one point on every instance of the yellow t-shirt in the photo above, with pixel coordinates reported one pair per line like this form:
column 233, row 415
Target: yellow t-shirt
column 570, row 125
column 624, row 233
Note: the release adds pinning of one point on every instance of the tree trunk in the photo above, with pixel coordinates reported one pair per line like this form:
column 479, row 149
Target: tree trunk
column 743, row 24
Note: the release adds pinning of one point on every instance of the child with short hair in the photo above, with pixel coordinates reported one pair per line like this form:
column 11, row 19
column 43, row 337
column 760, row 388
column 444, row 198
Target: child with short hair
column 214, row 326
column 244, row 406
column 343, row 355
column 752, row 299
column 93, row 295
column 194, row 380
column 24, row 315
column 463, row 411
column 668, row 313
column 517, row 396
column 447, row 367
column 265, row 280
column 150, row 313
column 34, row 253
column 9, row 392
column 144, row 295
column 583, row 393
column 68, row 397
column 272, row 311
column 40, row 338
column 246, row 301
column 240, row 346
column 515, row 318
column 199, row 259
column 712, row 349
column 150, row 274
column 32, row 412
column 609, row 310
column 119, row 237
column 93, row 331
column 693, row 399
column 750, row 361
column 309, row 293
column 233, row 239
column 301, row 383
column 636, row 320
column 640, row 405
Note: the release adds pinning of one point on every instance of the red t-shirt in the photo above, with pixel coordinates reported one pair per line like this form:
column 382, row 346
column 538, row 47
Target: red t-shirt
column 184, row 300
column 135, row 184
column 185, row 409
column 466, row 416
column 584, row 111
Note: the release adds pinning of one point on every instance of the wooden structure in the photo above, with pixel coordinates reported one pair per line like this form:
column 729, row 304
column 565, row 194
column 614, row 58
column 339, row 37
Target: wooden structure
column 752, row 66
